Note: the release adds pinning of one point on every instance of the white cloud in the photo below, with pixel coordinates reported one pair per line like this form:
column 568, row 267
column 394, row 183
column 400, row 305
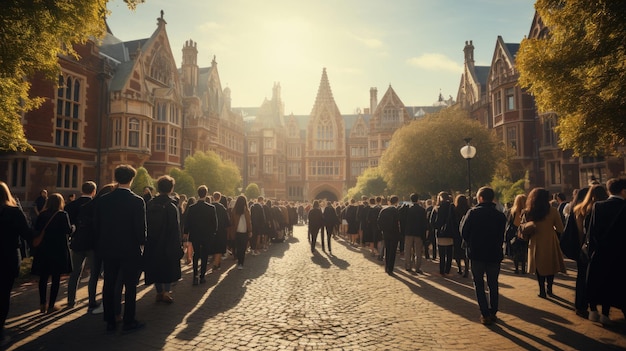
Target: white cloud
column 437, row 62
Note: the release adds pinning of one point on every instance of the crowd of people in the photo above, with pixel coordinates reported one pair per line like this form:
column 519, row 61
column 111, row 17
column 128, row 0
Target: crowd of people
column 121, row 235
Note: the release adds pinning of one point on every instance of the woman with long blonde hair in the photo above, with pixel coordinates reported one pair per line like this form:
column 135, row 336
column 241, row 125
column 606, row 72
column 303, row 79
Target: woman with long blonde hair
column 519, row 248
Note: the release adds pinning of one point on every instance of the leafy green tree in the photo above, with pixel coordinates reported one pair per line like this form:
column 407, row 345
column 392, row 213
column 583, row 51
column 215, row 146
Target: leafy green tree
column 506, row 190
column 370, row 183
column 231, row 178
column 207, row 168
column 578, row 71
column 32, row 35
column 142, row 180
column 424, row 156
column 184, row 182
column 252, row 191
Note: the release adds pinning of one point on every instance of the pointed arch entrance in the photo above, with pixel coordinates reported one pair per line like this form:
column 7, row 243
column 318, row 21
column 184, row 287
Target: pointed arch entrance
column 328, row 195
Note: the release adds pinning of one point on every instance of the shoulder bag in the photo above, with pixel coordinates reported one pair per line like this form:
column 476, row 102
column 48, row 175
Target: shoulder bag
column 526, row 229
column 39, row 238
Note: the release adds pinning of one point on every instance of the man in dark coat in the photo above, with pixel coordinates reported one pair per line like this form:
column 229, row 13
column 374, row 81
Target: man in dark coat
column 607, row 244
column 259, row 223
column 218, row 245
column 80, row 254
column 201, row 224
column 389, row 224
column 120, row 219
column 414, row 228
column 482, row 230
column 330, row 222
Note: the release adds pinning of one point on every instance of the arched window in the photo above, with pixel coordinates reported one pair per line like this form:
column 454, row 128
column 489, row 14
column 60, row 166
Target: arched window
column 69, row 111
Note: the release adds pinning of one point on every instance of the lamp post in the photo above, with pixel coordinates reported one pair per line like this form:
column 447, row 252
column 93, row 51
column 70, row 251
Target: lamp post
column 468, row 152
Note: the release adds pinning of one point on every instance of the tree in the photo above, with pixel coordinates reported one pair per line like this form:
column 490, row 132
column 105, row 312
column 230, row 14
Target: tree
column 184, row 182
column 252, row 191
column 207, row 168
column 32, row 35
column 370, row 183
column 578, row 71
column 424, row 156
column 506, row 190
column 142, row 180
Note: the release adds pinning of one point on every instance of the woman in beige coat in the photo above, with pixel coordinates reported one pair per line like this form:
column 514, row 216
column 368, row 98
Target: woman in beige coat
column 544, row 254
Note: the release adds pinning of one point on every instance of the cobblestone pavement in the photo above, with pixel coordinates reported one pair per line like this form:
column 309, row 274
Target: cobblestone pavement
column 289, row 299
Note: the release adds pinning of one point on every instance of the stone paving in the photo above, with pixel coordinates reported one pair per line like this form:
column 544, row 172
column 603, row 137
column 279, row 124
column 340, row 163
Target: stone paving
column 289, row 299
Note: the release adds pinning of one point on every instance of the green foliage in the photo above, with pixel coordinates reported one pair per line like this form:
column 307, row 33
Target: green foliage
column 506, row 190
column 207, row 168
column 184, row 182
column 424, row 156
column 252, row 191
column 142, row 180
column 32, row 35
column 578, row 71
column 370, row 183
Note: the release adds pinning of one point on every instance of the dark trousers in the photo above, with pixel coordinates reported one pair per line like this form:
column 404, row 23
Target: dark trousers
column 128, row 271
column 391, row 245
column 445, row 258
column 6, row 284
column 541, row 279
column 329, row 234
column 427, row 244
column 580, row 296
column 492, row 270
column 313, row 234
column 241, row 243
column 200, row 253
column 54, row 287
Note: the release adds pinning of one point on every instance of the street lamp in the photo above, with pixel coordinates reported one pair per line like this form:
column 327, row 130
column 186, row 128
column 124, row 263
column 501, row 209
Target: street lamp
column 468, row 152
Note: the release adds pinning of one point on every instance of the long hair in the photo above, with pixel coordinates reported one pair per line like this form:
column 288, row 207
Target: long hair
column 55, row 202
column 240, row 204
column 596, row 193
column 537, row 204
column 6, row 198
column 518, row 204
column 461, row 205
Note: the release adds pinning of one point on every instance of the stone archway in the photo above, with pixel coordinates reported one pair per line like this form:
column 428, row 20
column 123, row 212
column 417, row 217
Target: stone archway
column 328, row 195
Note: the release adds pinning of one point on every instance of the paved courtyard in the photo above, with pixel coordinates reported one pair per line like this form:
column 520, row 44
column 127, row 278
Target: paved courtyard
column 289, row 299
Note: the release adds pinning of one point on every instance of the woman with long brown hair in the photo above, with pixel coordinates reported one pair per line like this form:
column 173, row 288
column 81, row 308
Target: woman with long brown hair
column 52, row 256
column 544, row 254
column 461, row 206
column 243, row 228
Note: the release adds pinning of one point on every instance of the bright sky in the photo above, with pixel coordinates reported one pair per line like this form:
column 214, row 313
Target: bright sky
column 414, row 45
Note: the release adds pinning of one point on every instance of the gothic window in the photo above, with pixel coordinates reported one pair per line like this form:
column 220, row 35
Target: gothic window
column 268, row 165
column 497, row 103
column 160, row 69
column 358, row 167
column 324, row 137
column 133, row 132
column 511, row 138
column 146, row 128
column 173, row 141
column 117, row 132
column 69, row 114
column 67, row 175
column 549, row 136
column 391, row 116
column 159, row 144
column 510, row 99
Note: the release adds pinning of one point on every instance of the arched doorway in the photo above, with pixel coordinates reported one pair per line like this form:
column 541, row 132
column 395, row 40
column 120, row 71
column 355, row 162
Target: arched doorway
column 330, row 196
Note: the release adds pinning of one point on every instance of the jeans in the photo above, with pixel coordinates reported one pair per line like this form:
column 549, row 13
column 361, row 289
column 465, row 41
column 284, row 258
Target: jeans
column 492, row 270
column 445, row 258
column 413, row 247
column 78, row 262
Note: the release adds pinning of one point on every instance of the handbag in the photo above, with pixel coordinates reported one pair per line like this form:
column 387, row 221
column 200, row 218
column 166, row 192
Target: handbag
column 510, row 233
column 569, row 240
column 39, row 238
column 526, row 229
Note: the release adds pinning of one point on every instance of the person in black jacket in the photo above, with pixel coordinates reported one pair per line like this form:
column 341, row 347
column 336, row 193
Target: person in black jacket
column 120, row 219
column 218, row 245
column 14, row 226
column 201, row 223
column 482, row 230
column 414, row 229
column 330, row 222
column 445, row 227
column 316, row 222
column 389, row 224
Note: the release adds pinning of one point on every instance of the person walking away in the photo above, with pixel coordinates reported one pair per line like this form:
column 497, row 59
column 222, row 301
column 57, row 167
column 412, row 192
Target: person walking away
column 316, row 223
column 389, row 224
column 163, row 249
column 259, row 223
column 14, row 226
column 120, row 218
column 482, row 230
column 353, row 221
column 79, row 252
column 201, row 225
column 461, row 206
column 243, row 228
column 442, row 220
column 519, row 248
column 220, row 239
column 544, row 253
column 330, row 222
column 414, row 235
column 52, row 256
column 607, row 242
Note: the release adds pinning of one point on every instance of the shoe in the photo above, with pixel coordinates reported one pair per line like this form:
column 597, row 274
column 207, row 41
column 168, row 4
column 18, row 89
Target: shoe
column 196, row 281
column 111, row 327
column 486, row 320
column 133, row 326
column 159, row 297
column 542, row 295
column 493, row 318
column 594, row 316
column 98, row 310
column 70, row 305
column 419, row 271
column 167, row 297
column 239, row 266
column 53, row 309
column 549, row 291
column 605, row 320
column 42, row 308
column 582, row 313
column 202, row 280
